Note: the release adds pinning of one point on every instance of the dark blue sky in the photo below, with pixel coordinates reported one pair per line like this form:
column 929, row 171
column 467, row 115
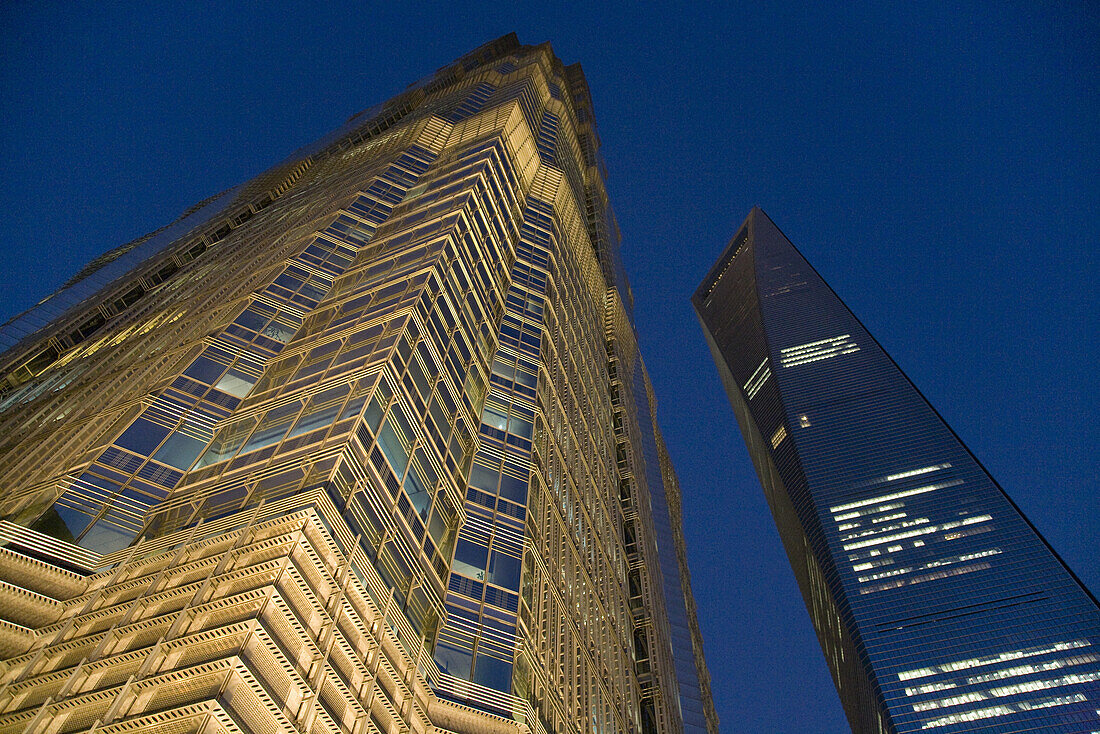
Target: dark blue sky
column 939, row 165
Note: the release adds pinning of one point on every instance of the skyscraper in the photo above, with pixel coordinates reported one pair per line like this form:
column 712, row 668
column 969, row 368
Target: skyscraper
column 937, row 605
column 364, row 444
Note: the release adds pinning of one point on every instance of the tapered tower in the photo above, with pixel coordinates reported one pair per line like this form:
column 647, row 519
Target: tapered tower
column 937, row 605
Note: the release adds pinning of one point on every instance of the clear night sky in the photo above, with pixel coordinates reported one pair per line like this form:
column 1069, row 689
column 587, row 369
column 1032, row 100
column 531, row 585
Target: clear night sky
column 939, row 166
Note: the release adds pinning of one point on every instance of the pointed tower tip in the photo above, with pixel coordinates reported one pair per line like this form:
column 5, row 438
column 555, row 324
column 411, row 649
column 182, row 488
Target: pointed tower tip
column 757, row 215
column 758, row 211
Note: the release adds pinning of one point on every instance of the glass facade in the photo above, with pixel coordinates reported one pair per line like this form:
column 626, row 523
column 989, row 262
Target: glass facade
column 364, row 444
column 937, row 605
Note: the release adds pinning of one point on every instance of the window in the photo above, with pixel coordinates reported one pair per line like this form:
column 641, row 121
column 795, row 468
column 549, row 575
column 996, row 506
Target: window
column 504, row 570
column 205, row 370
column 520, row 427
column 817, row 351
column 470, row 559
column 142, row 437
column 314, row 418
column 495, row 417
column 419, row 495
column 63, row 523
column 393, row 447
column 484, row 478
column 235, row 383
column 495, row 674
column 251, row 320
column 105, row 537
column 513, row 489
column 453, row 661
column 778, row 436
column 226, row 442
column 321, row 411
column 279, row 332
column 273, row 426
column 179, row 451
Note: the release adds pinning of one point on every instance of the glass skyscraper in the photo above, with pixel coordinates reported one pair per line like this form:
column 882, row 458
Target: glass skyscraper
column 364, row 444
column 938, row 606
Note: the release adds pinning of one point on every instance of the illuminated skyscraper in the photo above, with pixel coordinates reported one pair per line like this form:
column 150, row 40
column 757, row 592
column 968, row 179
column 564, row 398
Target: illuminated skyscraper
column 938, row 606
column 364, row 444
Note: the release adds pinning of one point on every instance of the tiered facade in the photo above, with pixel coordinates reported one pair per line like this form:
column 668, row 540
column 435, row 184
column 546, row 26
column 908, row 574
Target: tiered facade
column 938, row 606
column 362, row 445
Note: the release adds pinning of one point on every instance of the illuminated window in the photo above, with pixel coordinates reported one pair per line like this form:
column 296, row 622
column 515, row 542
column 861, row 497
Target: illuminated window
column 235, row 383
column 929, row 688
column 180, row 450
column 1045, row 703
column 975, row 715
column 868, row 513
column 758, row 378
column 817, row 351
column 886, row 528
column 919, row 531
column 896, row 495
column 778, row 436
column 948, row 702
column 1021, row 670
column 934, row 576
column 1026, row 652
column 916, row 472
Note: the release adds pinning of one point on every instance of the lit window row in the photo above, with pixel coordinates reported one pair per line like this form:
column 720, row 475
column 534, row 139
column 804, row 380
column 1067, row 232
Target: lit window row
column 975, row 715
column 758, row 378
column 873, row 564
column 994, row 711
column 813, row 346
column 1027, row 652
column 868, row 513
column 1046, row 703
column 816, row 351
column 1072, row 679
column 948, row 702
column 917, row 472
column 960, row 571
column 966, row 533
column 886, row 528
column 1043, row 667
column 929, row 688
column 931, row 564
column 1013, row 690
column 778, row 436
column 896, row 495
column 920, row 531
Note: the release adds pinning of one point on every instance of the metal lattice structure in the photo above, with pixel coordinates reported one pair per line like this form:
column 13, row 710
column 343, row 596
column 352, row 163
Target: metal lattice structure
column 364, row 444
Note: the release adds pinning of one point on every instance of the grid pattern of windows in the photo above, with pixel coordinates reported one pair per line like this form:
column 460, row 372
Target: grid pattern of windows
column 103, row 508
column 939, row 607
column 353, row 448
